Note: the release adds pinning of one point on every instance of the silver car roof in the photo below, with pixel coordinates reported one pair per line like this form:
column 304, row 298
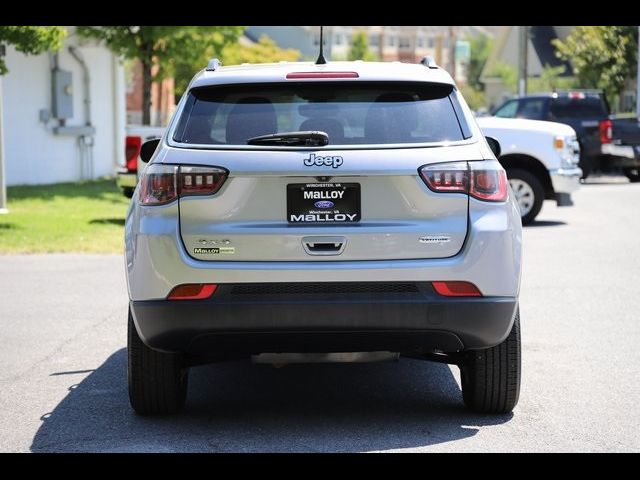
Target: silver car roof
column 277, row 72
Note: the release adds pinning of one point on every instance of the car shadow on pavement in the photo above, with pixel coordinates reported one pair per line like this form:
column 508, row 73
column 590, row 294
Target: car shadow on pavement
column 546, row 223
column 242, row 407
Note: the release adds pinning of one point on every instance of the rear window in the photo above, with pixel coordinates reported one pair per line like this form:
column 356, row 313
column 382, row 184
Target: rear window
column 589, row 107
column 350, row 113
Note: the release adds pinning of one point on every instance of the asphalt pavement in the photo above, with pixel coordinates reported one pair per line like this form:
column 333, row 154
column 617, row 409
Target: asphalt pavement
column 63, row 382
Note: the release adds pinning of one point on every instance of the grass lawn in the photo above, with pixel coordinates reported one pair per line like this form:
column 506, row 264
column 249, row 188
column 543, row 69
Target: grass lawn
column 65, row 217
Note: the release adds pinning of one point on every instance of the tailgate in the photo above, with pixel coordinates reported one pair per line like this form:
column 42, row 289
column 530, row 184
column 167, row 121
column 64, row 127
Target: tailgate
column 274, row 206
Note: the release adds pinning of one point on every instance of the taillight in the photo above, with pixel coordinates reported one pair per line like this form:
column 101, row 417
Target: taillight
column 489, row 185
column 162, row 184
column 606, row 131
column 484, row 180
column 158, row 184
column 456, row 289
column 193, row 291
column 201, row 180
column 132, row 151
column 447, row 177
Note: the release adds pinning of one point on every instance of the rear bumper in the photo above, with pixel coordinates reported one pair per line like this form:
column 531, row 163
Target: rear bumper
column 565, row 180
column 126, row 179
column 622, row 155
column 249, row 319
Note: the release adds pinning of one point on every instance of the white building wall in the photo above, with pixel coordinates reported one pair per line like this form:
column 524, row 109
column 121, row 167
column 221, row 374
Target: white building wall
column 33, row 153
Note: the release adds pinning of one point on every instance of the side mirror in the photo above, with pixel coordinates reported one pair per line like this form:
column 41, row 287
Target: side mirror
column 494, row 145
column 147, row 149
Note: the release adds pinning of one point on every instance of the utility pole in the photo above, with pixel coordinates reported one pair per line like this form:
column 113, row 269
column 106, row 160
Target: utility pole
column 3, row 186
column 452, row 52
column 523, row 47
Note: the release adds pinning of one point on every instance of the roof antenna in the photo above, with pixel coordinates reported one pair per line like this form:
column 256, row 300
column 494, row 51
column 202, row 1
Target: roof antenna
column 321, row 60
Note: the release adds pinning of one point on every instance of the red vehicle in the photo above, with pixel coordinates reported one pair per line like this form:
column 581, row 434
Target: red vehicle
column 127, row 175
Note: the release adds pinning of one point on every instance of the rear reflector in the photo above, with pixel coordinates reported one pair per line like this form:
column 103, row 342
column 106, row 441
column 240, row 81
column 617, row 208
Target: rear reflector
column 302, row 75
column 193, row 291
column 456, row 289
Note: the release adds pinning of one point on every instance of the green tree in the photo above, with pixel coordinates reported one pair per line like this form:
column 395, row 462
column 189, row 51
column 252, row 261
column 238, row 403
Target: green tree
column 480, row 46
column 602, row 56
column 360, row 47
column 475, row 97
column 507, row 73
column 161, row 47
column 473, row 91
column 31, row 40
column 264, row 51
column 550, row 79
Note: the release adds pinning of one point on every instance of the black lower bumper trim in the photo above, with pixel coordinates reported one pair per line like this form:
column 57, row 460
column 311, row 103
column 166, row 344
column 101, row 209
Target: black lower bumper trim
column 400, row 320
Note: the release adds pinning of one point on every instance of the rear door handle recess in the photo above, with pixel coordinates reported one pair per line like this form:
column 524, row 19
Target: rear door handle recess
column 324, row 245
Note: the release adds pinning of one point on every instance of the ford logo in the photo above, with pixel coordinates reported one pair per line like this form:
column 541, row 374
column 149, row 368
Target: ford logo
column 324, row 204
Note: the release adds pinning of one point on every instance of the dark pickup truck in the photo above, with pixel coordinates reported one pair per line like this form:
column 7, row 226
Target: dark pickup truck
column 606, row 142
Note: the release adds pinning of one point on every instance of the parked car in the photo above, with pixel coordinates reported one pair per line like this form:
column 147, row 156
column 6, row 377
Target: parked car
column 298, row 212
column 541, row 160
column 624, row 148
column 600, row 135
column 136, row 135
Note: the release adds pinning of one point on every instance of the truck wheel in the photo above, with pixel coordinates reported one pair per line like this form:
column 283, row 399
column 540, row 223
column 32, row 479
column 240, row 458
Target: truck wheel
column 157, row 380
column 633, row 174
column 491, row 377
column 128, row 192
column 528, row 191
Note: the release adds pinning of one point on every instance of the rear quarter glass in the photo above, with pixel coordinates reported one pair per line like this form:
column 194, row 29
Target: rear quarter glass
column 351, row 113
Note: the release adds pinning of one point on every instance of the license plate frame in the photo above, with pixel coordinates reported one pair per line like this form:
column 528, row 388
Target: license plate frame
column 323, row 203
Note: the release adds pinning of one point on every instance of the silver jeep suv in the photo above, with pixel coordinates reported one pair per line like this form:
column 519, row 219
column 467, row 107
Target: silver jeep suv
column 299, row 212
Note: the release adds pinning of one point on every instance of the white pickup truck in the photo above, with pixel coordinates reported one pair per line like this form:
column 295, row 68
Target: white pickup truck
column 136, row 135
column 541, row 160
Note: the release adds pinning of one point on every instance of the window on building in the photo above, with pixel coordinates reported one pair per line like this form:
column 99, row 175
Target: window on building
column 420, row 42
column 391, row 41
column 374, row 40
column 405, row 42
column 431, row 42
column 316, row 40
column 338, row 39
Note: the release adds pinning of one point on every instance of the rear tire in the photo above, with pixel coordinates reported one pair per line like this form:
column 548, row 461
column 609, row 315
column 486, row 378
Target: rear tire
column 128, row 192
column 633, row 174
column 529, row 193
column 491, row 377
column 157, row 380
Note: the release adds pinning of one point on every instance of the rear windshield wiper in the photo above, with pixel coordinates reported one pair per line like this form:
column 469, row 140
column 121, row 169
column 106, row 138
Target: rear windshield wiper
column 294, row 139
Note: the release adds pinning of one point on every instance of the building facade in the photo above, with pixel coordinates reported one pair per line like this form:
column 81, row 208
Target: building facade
column 162, row 96
column 540, row 54
column 64, row 113
column 389, row 43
